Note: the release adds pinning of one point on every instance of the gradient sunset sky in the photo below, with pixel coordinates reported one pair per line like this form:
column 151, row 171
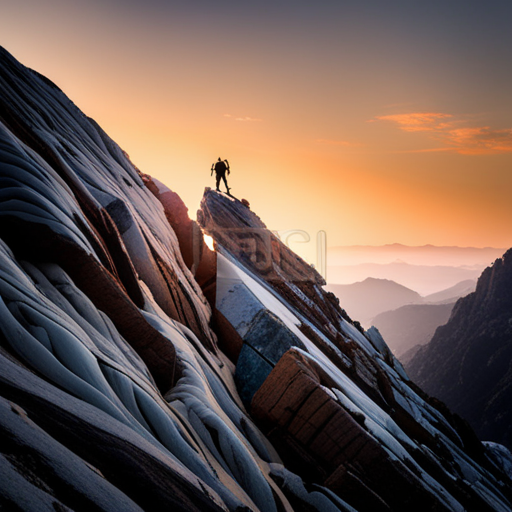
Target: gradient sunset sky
column 376, row 121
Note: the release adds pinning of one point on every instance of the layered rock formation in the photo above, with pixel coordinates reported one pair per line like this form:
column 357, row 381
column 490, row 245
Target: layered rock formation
column 468, row 363
column 128, row 350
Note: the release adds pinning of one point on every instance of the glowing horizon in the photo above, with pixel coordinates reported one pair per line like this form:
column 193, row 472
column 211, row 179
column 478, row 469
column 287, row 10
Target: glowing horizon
column 376, row 124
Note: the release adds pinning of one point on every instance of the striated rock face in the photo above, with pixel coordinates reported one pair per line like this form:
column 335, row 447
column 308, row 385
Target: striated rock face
column 100, row 319
column 468, row 363
column 51, row 147
column 133, row 359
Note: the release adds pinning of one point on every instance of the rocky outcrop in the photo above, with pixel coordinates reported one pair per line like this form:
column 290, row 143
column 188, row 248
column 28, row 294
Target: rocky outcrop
column 243, row 234
column 468, row 362
column 176, row 214
column 200, row 260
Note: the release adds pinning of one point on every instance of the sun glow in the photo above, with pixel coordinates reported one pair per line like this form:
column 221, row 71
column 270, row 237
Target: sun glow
column 208, row 240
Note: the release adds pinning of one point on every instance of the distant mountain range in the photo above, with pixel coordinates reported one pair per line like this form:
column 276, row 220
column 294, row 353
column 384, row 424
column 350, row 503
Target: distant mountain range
column 430, row 255
column 411, row 325
column 468, row 363
column 366, row 299
column 451, row 294
column 424, row 279
column 426, row 269
column 404, row 318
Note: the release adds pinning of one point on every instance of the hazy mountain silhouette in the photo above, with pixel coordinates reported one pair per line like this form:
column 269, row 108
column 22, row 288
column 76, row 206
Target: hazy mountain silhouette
column 420, row 255
column 425, row 279
column 407, row 356
column 450, row 295
column 410, row 325
column 415, row 324
column 366, row 299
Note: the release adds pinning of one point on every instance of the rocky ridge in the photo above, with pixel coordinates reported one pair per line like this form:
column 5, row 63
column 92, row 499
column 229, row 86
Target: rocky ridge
column 141, row 371
column 467, row 364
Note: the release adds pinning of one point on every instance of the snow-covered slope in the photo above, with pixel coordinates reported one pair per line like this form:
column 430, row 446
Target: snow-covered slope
column 116, row 393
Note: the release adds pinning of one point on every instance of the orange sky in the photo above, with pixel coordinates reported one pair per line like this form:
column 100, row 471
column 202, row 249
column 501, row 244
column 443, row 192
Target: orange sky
column 375, row 126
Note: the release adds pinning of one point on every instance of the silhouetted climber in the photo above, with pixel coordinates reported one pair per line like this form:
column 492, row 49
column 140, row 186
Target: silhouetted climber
column 220, row 167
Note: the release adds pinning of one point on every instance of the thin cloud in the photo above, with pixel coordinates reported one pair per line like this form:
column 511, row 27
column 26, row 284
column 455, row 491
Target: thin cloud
column 396, row 105
column 453, row 134
column 418, row 121
column 481, row 140
column 429, row 150
column 245, row 118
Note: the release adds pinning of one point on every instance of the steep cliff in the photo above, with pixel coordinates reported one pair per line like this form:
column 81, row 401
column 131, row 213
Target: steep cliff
column 468, row 363
column 141, row 371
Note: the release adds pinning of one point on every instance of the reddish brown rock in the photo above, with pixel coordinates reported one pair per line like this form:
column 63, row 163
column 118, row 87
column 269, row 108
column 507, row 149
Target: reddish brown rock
column 199, row 259
column 230, row 342
column 181, row 307
column 293, row 407
column 177, row 215
column 205, row 270
column 99, row 228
